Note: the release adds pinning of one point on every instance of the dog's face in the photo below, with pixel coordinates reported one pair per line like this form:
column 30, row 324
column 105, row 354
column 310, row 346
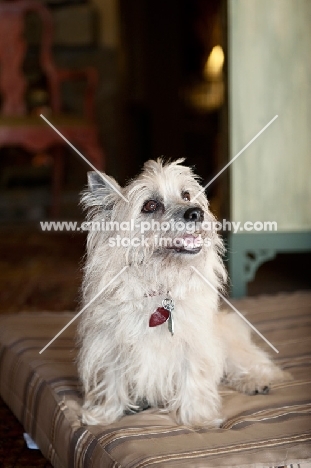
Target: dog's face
column 161, row 213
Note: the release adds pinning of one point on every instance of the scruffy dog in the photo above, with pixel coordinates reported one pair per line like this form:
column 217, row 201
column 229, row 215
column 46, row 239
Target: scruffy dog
column 153, row 334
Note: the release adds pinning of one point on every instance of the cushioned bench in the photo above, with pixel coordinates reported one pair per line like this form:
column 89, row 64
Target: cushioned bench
column 260, row 431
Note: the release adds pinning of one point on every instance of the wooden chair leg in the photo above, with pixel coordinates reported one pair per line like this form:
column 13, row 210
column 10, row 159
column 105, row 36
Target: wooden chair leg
column 57, row 180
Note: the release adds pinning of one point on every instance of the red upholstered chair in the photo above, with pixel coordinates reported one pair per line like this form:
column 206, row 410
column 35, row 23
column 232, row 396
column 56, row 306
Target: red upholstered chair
column 17, row 127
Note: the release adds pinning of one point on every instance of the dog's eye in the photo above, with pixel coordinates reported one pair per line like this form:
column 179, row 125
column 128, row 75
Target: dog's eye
column 150, row 206
column 186, row 196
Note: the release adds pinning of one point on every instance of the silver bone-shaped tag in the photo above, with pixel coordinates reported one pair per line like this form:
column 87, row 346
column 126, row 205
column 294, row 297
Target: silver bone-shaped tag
column 168, row 304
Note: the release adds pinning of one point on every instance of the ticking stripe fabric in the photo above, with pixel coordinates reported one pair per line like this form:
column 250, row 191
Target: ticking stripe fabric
column 271, row 430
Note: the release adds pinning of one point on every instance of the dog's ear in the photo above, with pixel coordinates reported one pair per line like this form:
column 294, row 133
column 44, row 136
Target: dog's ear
column 95, row 181
column 102, row 191
column 102, row 185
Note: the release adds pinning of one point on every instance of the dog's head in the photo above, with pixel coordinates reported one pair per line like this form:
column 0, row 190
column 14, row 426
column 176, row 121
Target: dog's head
column 163, row 213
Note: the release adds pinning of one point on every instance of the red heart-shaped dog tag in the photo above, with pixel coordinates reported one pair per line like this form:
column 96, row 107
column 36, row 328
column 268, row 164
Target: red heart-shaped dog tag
column 158, row 317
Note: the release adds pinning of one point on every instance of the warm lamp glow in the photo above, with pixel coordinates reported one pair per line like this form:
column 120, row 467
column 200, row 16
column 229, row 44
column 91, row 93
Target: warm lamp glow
column 214, row 63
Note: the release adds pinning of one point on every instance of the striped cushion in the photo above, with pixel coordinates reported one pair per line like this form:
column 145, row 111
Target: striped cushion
column 260, row 431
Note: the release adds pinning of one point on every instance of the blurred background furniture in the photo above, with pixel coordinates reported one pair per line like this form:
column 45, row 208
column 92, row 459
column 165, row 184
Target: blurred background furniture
column 271, row 180
column 19, row 124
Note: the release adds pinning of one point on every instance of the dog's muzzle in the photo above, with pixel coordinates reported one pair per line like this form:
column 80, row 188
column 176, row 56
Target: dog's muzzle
column 195, row 214
column 191, row 243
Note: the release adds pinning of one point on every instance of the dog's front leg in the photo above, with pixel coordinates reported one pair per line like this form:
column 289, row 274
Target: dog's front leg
column 198, row 402
column 103, row 404
column 248, row 369
column 105, row 386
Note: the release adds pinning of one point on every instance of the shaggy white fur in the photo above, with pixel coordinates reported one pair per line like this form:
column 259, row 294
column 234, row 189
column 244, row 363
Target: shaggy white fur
column 123, row 362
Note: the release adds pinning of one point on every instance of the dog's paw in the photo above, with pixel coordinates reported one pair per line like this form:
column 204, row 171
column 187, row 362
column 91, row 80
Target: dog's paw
column 102, row 415
column 259, row 380
column 141, row 405
column 219, row 422
column 251, row 386
column 216, row 423
column 260, row 390
column 264, row 389
column 197, row 416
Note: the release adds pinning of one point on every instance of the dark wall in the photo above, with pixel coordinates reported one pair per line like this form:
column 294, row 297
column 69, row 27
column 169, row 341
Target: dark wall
column 164, row 46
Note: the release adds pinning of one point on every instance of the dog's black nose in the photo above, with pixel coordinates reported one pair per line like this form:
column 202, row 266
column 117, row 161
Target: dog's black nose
column 194, row 214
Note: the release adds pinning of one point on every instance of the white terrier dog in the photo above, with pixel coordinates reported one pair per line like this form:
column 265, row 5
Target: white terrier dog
column 129, row 357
